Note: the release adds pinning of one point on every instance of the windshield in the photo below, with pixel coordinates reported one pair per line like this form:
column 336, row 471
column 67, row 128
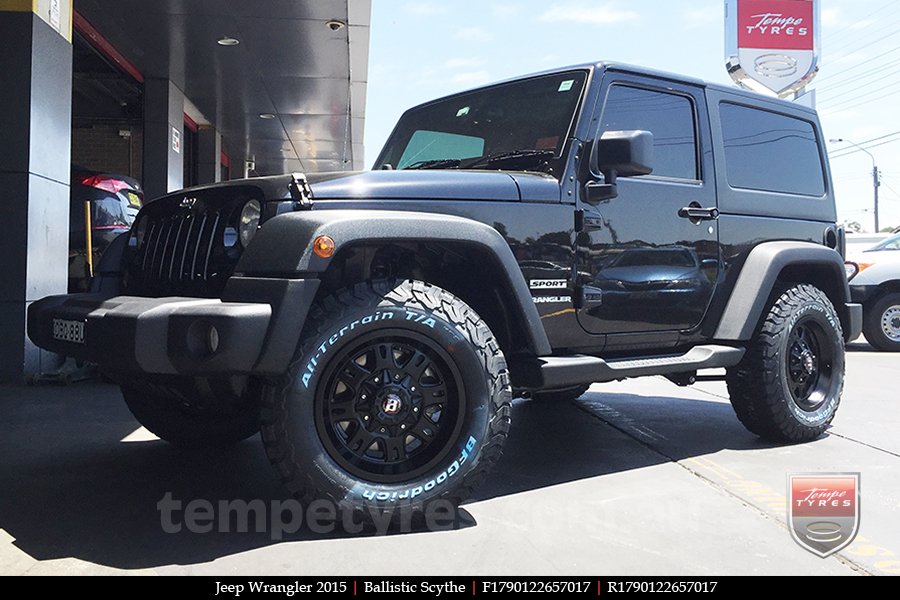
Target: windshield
column 519, row 125
column 891, row 243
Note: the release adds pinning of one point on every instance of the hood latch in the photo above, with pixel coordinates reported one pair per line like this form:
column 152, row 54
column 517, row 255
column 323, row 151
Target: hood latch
column 301, row 193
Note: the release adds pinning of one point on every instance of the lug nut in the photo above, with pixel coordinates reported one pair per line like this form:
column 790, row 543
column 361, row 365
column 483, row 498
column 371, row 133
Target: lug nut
column 366, row 418
column 397, row 377
column 402, row 426
column 376, row 380
column 412, row 389
column 383, row 430
column 415, row 409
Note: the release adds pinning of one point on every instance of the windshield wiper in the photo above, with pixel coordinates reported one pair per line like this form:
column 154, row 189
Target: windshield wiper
column 439, row 163
column 513, row 156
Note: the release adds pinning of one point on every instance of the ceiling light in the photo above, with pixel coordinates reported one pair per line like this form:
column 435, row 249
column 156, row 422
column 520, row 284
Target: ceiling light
column 228, row 41
column 334, row 25
column 266, row 116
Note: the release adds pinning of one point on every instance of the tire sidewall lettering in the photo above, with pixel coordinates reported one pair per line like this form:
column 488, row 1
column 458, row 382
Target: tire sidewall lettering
column 336, row 336
column 313, row 368
column 826, row 318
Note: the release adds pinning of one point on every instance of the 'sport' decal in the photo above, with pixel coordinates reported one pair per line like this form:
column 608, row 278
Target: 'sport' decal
column 548, row 284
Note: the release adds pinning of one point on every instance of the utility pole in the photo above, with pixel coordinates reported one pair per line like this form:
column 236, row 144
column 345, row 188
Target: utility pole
column 876, row 179
column 876, row 183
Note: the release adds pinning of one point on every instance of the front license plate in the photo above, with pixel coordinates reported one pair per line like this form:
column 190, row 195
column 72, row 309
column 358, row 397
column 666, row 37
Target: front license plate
column 68, row 331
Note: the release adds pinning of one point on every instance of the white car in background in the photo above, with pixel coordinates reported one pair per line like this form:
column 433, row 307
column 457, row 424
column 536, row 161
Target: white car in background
column 874, row 276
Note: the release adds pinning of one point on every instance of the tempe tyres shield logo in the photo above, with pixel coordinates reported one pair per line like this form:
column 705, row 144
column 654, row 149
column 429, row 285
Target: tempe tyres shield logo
column 772, row 46
column 824, row 510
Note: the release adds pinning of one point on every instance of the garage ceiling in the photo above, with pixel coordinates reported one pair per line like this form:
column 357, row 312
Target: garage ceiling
column 289, row 63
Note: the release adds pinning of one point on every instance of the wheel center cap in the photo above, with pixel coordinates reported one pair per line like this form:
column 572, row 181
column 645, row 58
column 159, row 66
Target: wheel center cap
column 809, row 362
column 392, row 404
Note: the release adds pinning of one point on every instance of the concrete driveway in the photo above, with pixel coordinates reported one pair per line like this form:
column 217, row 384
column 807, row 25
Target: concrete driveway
column 638, row 477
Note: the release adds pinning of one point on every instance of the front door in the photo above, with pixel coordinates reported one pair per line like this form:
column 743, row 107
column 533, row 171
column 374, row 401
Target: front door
column 646, row 265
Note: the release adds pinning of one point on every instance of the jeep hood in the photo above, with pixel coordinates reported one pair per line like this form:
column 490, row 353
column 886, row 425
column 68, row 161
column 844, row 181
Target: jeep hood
column 434, row 185
column 412, row 185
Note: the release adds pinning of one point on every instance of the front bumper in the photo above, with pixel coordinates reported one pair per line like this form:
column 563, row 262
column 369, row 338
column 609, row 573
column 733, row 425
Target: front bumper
column 254, row 328
column 862, row 293
column 853, row 326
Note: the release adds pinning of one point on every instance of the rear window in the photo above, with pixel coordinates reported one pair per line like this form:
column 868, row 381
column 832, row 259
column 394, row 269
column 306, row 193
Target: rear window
column 770, row 152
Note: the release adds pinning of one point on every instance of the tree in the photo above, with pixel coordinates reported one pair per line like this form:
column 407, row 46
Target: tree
column 852, row 226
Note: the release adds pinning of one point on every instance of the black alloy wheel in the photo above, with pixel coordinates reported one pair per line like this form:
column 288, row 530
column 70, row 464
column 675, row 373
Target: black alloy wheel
column 390, row 406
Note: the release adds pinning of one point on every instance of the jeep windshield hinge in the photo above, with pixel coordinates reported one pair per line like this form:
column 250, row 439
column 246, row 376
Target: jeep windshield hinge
column 301, row 193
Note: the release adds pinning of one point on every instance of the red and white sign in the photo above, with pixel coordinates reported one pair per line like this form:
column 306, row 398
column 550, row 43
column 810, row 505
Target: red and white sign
column 772, row 45
column 824, row 510
column 775, row 24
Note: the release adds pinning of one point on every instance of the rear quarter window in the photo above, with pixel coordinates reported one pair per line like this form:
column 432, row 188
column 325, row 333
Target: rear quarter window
column 770, row 152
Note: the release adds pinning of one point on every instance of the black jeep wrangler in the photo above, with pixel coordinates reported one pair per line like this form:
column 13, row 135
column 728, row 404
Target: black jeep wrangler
column 532, row 237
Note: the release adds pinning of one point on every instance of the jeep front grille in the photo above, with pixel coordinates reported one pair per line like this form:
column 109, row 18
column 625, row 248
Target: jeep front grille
column 185, row 246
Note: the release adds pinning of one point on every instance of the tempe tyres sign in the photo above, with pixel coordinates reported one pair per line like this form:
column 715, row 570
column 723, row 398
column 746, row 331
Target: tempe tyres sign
column 772, row 46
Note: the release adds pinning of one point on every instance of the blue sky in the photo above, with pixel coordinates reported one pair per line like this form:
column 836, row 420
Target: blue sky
column 420, row 50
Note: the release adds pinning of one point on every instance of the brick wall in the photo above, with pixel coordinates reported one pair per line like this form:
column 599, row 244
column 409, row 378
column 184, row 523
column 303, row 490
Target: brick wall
column 99, row 147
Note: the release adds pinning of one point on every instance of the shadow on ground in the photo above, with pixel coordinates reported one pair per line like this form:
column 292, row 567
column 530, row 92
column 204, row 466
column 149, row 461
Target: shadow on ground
column 72, row 488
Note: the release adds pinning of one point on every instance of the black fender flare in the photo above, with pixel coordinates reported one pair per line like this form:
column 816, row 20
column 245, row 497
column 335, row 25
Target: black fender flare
column 283, row 246
column 762, row 269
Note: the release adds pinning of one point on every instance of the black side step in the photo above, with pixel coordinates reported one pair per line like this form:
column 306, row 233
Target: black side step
column 548, row 372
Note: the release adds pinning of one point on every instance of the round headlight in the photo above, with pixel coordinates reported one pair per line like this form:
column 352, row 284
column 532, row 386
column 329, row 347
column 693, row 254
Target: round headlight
column 249, row 222
column 139, row 232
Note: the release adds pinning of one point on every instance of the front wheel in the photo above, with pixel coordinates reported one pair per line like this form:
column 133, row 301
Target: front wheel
column 881, row 324
column 196, row 412
column 788, row 385
column 398, row 396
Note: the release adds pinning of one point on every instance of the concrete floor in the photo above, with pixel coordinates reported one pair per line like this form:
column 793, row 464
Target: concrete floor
column 639, row 477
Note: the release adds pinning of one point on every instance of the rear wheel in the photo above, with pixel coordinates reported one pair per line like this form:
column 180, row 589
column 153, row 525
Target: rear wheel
column 881, row 324
column 788, row 386
column 398, row 396
column 196, row 412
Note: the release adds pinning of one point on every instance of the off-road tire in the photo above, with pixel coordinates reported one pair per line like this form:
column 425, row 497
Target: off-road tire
column 877, row 312
column 767, row 386
column 306, row 442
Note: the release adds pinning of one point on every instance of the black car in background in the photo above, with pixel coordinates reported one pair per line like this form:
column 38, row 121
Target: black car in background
column 114, row 202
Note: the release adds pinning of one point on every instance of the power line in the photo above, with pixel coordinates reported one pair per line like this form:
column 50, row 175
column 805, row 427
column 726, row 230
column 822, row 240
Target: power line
column 865, row 96
column 858, row 65
column 870, row 32
column 874, row 139
column 862, row 145
column 879, row 71
column 864, row 102
column 887, row 185
column 850, row 27
column 836, row 156
column 830, row 98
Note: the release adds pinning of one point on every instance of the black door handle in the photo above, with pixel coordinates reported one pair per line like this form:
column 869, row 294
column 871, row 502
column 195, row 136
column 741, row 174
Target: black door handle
column 697, row 213
column 592, row 223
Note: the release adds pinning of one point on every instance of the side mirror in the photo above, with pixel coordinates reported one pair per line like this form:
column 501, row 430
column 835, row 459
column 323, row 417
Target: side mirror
column 619, row 154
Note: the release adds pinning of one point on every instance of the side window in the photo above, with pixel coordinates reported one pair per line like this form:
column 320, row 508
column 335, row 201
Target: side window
column 770, row 152
column 669, row 117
